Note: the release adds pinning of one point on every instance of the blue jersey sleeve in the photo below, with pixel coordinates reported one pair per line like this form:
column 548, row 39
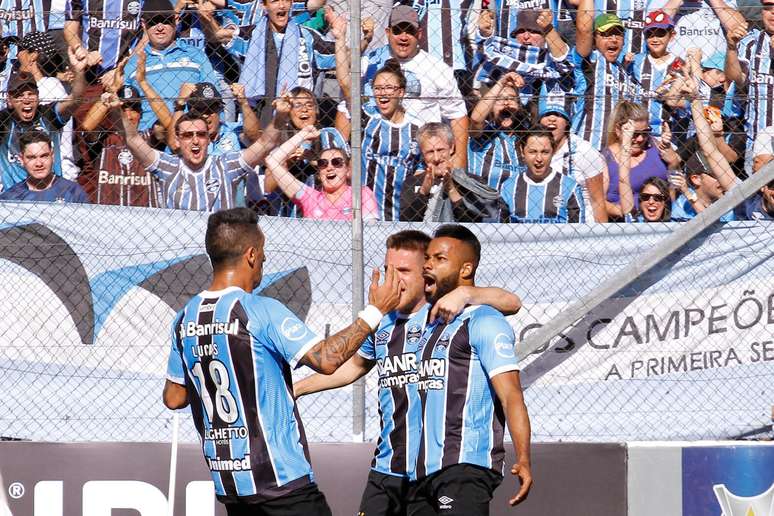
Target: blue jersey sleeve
column 493, row 340
column 175, row 367
column 288, row 334
column 367, row 349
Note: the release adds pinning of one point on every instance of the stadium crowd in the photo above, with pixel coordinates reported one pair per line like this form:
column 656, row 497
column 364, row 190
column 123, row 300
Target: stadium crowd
column 485, row 111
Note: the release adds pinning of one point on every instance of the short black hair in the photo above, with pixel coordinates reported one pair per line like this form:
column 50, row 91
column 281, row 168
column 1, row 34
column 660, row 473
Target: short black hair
column 537, row 131
column 34, row 136
column 409, row 239
column 229, row 234
column 189, row 116
column 463, row 234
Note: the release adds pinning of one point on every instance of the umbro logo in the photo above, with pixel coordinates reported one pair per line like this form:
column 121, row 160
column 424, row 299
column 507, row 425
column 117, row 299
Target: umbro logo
column 445, row 502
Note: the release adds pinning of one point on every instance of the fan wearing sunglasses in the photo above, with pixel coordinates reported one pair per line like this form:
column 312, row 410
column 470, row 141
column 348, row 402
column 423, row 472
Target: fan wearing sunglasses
column 334, row 200
column 655, row 202
column 632, row 156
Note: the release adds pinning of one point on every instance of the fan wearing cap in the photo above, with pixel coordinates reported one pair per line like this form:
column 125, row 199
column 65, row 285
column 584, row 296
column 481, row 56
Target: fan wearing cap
column 506, row 14
column 25, row 113
column 169, row 63
column 496, row 123
column 111, row 174
column 654, row 66
column 41, row 185
column 600, row 79
column 574, row 156
column 203, row 98
column 432, row 94
column 194, row 180
column 535, row 51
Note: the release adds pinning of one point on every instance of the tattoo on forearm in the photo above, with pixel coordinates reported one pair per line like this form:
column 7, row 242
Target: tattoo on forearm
column 338, row 348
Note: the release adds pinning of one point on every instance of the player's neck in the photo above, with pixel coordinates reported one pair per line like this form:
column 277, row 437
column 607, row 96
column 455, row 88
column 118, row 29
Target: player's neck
column 230, row 278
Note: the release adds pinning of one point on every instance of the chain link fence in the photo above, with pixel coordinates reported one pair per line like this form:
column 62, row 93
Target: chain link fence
column 576, row 139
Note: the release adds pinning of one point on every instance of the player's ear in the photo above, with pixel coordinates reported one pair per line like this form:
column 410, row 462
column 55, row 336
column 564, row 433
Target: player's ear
column 467, row 270
column 251, row 256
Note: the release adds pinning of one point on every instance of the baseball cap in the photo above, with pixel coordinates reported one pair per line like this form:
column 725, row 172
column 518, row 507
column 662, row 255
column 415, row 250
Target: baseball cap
column 527, row 20
column 153, row 9
column 205, row 99
column 21, row 82
column 716, row 61
column 553, row 102
column 605, row 22
column 404, row 14
column 41, row 42
column 130, row 97
column 658, row 19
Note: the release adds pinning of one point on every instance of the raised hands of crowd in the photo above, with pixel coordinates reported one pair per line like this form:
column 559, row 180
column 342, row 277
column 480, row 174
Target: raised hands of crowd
column 486, row 23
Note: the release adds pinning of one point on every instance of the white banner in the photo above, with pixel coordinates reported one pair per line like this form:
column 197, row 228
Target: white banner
column 685, row 352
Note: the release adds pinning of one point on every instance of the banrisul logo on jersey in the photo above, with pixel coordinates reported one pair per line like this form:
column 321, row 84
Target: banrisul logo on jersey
column 728, row 480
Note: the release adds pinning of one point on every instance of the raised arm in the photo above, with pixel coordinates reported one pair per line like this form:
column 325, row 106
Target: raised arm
column 258, row 150
column 484, row 106
column 625, row 204
column 459, row 127
column 556, row 45
column 136, row 143
column 352, row 370
column 276, row 162
column 718, row 164
column 329, row 354
column 584, row 28
column 507, row 386
column 251, row 126
column 730, row 18
column 733, row 67
column 157, row 104
column 78, row 65
column 452, row 304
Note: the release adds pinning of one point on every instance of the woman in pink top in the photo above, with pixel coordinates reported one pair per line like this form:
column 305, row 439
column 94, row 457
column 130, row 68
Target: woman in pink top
column 334, row 201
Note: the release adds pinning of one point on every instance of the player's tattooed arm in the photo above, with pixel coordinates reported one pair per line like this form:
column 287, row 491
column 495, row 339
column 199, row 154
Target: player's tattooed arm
column 332, row 352
column 329, row 354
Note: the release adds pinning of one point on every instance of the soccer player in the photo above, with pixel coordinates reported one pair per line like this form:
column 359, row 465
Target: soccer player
column 231, row 359
column 37, row 157
column 541, row 194
column 601, row 80
column 194, row 180
column 469, row 386
column 393, row 350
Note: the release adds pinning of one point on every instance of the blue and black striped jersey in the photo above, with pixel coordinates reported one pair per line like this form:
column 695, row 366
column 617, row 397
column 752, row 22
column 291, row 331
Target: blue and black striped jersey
column 650, row 76
column 492, row 156
column 556, row 199
column 390, row 154
column 394, row 348
column 234, row 352
column 755, row 55
column 462, row 418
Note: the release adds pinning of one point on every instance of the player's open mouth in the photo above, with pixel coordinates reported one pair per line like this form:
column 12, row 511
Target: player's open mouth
column 429, row 282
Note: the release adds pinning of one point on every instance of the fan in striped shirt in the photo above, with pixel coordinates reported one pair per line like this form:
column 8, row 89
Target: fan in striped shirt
column 542, row 195
column 194, row 180
column 495, row 126
column 600, row 79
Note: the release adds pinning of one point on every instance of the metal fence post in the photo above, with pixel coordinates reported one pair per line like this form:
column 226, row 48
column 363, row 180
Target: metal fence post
column 358, row 284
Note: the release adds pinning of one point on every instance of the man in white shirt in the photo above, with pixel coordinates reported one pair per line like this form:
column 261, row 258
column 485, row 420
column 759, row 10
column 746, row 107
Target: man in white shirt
column 432, row 94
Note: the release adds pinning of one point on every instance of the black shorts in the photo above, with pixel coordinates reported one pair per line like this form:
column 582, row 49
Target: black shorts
column 461, row 489
column 305, row 501
column 388, row 495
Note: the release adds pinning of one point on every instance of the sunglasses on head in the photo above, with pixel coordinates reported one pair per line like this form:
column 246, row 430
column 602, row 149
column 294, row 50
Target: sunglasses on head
column 161, row 19
column 402, row 28
column 188, row 135
column 655, row 196
column 335, row 163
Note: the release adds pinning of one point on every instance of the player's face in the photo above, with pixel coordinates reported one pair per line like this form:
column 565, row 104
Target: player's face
column 528, row 37
column 278, row 12
column 652, row 203
column 537, row 153
column 303, row 111
column 657, row 41
column 435, row 150
column 37, row 160
column 610, row 43
column 505, row 108
column 194, row 138
column 404, row 40
column 24, row 104
column 161, row 30
column 443, row 264
column 408, row 266
column 334, row 172
column 388, row 94
column 557, row 124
